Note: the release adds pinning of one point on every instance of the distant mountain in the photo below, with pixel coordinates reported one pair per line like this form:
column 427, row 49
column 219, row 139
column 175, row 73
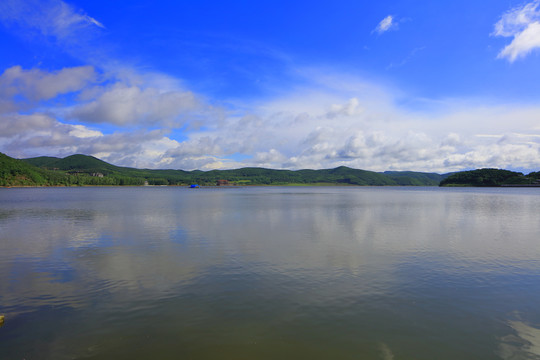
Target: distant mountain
column 88, row 170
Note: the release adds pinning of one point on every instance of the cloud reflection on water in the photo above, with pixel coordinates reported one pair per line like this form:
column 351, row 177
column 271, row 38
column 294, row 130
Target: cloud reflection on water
column 157, row 240
column 523, row 344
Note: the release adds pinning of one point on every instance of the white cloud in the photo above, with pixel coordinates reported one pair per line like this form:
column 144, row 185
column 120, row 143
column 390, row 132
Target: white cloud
column 386, row 24
column 523, row 43
column 55, row 22
column 125, row 98
column 516, row 20
column 49, row 17
column 65, row 19
column 121, row 98
column 40, row 134
column 269, row 158
column 352, row 107
column 81, row 132
column 523, row 24
column 140, row 148
column 123, row 104
column 336, row 120
column 36, row 85
column 381, row 137
column 15, row 125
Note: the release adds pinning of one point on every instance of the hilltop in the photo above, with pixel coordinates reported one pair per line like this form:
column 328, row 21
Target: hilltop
column 73, row 162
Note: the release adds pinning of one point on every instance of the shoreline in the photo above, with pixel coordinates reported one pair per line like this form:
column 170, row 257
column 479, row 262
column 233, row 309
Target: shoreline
column 209, row 186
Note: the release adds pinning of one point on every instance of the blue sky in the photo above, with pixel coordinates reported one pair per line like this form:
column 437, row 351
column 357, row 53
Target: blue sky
column 392, row 85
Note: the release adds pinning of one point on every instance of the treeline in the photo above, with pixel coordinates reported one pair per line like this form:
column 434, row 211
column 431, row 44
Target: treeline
column 80, row 170
column 491, row 177
column 15, row 172
column 18, row 173
column 87, row 170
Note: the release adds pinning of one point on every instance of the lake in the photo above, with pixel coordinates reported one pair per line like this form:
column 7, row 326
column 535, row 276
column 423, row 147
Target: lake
column 270, row 273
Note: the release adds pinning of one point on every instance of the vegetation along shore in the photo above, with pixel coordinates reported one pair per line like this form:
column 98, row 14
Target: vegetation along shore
column 81, row 170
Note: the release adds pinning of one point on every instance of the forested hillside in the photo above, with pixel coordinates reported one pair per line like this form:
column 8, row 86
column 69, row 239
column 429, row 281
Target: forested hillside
column 18, row 173
column 491, row 177
column 88, row 170
column 14, row 172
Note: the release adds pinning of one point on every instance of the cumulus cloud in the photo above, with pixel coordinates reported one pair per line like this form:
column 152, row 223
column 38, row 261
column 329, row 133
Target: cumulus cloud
column 340, row 121
column 386, row 24
column 15, row 125
column 406, row 141
column 78, row 98
column 26, row 135
column 352, row 107
column 82, row 132
column 37, row 134
column 268, row 158
column 114, row 98
column 36, row 85
column 27, row 131
column 495, row 154
column 380, row 137
column 523, row 24
column 142, row 149
column 124, row 104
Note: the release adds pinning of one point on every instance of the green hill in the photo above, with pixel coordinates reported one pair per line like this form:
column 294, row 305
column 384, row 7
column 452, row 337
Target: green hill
column 76, row 162
column 490, row 177
column 15, row 172
column 82, row 162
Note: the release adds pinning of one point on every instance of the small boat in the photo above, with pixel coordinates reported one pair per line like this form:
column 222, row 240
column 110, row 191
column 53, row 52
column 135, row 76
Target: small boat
column 193, row 186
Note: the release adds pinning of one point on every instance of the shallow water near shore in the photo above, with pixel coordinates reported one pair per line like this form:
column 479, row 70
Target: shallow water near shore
column 270, row 272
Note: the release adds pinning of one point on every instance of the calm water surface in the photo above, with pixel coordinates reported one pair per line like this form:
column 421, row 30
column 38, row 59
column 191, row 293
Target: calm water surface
column 270, row 273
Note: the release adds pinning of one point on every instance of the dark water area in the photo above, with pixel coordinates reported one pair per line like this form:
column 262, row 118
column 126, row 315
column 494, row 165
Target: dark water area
column 270, row 272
